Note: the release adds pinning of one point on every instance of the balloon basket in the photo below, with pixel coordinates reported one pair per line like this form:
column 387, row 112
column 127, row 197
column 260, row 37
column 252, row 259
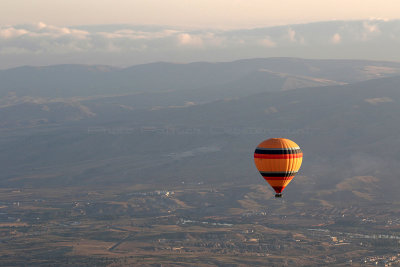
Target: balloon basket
column 278, row 195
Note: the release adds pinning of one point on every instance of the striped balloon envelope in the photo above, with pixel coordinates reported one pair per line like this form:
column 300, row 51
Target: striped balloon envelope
column 278, row 160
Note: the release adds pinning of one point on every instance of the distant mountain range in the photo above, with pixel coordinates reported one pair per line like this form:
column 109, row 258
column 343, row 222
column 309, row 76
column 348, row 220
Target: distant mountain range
column 168, row 123
column 32, row 95
column 264, row 74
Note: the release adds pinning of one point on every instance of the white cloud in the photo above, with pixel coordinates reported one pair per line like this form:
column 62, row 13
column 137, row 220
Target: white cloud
column 336, row 38
column 371, row 27
column 56, row 32
column 42, row 30
column 370, row 31
column 137, row 35
column 202, row 40
column 41, row 25
column 378, row 19
column 292, row 35
column 11, row 32
column 186, row 39
column 152, row 43
column 267, row 42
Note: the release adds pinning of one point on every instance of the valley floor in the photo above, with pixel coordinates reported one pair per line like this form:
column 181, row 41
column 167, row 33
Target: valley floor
column 191, row 225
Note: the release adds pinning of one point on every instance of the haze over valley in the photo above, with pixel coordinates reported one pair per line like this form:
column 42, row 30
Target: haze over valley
column 153, row 163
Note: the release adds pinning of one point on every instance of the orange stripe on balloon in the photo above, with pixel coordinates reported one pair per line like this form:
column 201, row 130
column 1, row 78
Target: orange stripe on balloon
column 278, row 178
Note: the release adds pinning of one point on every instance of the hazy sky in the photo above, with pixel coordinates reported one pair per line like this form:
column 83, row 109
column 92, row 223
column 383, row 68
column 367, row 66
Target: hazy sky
column 43, row 32
column 194, row 13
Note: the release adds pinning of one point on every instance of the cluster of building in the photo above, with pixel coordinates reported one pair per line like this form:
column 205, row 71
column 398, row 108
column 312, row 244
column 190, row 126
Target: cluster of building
column 386, row 260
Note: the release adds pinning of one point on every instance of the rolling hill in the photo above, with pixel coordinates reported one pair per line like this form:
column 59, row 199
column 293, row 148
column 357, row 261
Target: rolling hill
column 348, row 134
column 88, row 81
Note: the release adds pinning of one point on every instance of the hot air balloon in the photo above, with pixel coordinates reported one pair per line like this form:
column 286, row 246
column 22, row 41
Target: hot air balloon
column 278, row 160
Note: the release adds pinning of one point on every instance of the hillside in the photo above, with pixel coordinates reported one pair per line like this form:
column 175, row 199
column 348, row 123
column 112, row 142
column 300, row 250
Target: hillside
column 345, row 131
column 284, row 73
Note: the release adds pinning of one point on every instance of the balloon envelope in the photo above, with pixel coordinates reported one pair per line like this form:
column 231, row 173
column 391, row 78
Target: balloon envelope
column 278, row 160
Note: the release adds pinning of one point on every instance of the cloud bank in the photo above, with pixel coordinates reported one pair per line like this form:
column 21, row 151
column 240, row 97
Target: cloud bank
column 38, row 44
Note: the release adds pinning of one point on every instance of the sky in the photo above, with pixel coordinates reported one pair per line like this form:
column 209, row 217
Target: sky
column 130, row 32
column 223, row 14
